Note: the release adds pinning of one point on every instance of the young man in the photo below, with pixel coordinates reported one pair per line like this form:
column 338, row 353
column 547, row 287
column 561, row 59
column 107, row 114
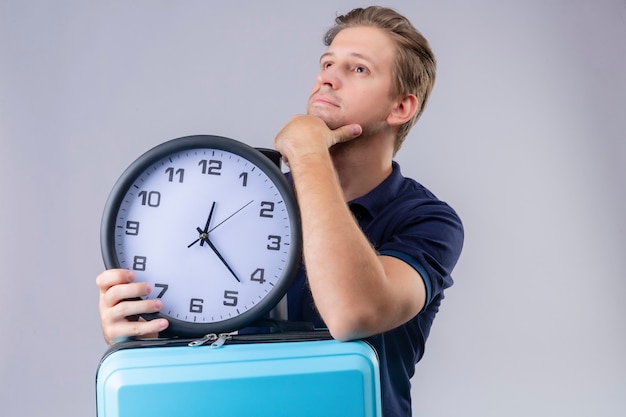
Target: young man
column 378, row 248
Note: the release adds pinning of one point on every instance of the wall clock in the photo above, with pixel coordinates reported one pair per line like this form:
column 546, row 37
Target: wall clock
column 212, row 224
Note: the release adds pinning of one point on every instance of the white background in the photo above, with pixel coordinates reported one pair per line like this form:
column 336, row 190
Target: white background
column 525, row 136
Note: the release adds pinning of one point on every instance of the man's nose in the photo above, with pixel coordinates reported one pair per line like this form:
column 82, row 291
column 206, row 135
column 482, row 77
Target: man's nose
column 330, row 77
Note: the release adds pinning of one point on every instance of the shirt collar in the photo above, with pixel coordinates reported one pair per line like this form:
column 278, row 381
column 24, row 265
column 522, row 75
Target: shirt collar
column 379, row 197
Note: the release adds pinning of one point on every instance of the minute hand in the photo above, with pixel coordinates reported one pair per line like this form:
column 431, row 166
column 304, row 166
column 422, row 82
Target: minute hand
column 205, row 238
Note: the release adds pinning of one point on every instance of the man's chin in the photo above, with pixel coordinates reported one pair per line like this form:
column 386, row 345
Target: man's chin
column 331, row 122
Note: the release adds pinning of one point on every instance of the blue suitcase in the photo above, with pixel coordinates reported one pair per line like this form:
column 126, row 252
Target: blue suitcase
column 301, row 377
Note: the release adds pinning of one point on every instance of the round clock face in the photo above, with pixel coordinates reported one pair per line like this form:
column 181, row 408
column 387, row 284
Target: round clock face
column 212, row 225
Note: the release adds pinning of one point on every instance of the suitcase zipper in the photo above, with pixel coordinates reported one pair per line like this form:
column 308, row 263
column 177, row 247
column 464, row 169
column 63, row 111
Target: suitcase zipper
column 211, row 337
column 217, row 340
column 221, row 339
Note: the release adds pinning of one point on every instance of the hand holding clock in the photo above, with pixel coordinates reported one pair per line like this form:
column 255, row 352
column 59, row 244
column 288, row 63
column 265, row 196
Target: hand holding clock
column 119, row 299
column 119, row 296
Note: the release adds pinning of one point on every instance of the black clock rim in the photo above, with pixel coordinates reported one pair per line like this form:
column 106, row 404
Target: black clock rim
column 107, row 228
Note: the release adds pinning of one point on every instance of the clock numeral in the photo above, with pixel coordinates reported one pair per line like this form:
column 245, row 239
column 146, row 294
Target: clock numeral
column 274, row 242
column 230, row 298
column 244, row 179
column 180, row 172
column 152, row 198
column 211, row 167
column 163, row 287
column 267, row 209
column 139, row 263
column 195, row 305
column 258, row 275
column 132, row 228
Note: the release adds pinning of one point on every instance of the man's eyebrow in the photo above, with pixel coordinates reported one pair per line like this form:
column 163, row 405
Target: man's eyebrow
column 351, row 54
column 325, row 55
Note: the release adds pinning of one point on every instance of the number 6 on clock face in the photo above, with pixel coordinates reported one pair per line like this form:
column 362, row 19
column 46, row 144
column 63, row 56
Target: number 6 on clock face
column 212, row 224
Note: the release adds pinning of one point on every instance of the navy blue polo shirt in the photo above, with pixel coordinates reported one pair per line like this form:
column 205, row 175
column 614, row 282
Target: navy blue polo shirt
column 401, row 218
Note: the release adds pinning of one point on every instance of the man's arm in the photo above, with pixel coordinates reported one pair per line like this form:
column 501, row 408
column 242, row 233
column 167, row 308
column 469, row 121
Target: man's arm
column 357, row 292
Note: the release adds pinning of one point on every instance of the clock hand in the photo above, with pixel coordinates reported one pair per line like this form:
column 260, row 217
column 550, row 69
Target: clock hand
column 223, row 221
column 206, row 227
column 205, row 238
column 193, row 243
column 204, row 232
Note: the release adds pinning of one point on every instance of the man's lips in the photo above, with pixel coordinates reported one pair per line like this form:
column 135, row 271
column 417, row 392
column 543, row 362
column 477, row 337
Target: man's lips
column 323, row 100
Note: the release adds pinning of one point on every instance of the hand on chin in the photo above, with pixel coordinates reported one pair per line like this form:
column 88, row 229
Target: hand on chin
column 332, row 122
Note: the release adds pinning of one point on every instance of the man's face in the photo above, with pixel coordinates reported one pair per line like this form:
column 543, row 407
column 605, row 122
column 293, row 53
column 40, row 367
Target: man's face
column 355, row 81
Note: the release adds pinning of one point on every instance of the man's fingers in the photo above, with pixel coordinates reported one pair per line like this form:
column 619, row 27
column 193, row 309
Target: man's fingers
column 347, row 132
column 133, row 308
column 136, row 328
column 120, row 299
column 112, row 277
column 117, row 293
column 115, row 323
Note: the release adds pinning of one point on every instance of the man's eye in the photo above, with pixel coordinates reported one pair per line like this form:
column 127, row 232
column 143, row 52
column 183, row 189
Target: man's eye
column 326, row 65
column 361, row 70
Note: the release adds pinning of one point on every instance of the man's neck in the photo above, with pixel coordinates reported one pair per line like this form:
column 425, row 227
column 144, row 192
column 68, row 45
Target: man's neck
column 361, row 166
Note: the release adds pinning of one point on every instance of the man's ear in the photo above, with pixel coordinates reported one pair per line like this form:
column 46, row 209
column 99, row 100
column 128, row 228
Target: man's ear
column 405, row 108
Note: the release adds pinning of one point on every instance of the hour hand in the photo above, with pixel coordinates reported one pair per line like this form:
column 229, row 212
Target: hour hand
column 204, row 237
